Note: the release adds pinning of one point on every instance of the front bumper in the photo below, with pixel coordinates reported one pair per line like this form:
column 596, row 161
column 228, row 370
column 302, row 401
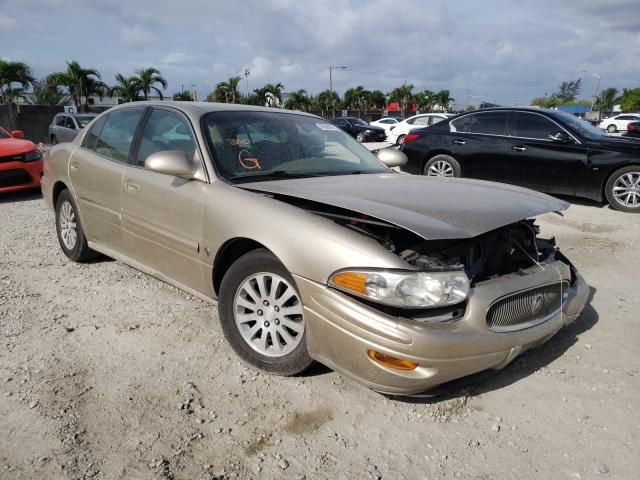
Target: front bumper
column 340, row 330
column 15, row 176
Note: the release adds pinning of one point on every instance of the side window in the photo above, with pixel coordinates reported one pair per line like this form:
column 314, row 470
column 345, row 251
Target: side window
column 60, row 120
column 117, row 134
column 531, row 125
column 411, row 121
column 69, row 123
column 165, row 130
column 422, row 121
column 341, row 123
column 90, row 140
column 435, row 120
column 490, row 123
column 461, row 124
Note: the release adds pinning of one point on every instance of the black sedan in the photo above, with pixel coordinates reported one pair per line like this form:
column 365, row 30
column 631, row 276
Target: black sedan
column 360, row 130
column 546, row 150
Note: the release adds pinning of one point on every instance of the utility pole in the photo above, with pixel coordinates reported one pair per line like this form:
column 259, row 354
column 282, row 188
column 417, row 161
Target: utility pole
column 333, row 102
column 595, row 93
column 246, row 77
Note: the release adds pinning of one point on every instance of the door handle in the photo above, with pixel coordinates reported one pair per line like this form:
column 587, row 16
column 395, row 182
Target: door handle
column 75, row 166
column 519, row 148
column 132, row 187
column 457, row 141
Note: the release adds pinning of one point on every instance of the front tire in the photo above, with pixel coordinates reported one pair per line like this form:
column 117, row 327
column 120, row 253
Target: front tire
column 361, row 137
column 442, row 166
column 623, row 189
column 54, row 140
column 261, row 314
column 612, row 128
column 69, row 230
column 400, row 140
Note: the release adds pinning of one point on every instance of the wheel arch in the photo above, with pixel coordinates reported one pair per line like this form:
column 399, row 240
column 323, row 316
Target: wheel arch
column 228, row 253
column 58, row 188
column 607, row 177
column 433, row 153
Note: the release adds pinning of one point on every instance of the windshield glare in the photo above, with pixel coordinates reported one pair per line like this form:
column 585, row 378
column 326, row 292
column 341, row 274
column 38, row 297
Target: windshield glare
column 83, row 120
column 248, row 146
column 581, row 126
column 4, row 134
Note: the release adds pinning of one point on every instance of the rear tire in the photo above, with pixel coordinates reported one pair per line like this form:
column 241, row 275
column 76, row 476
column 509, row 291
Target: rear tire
column 361, row 137
column 69, row 230
column 623, row 189
column 261, row 314
column 612, row 128
column 442, row 166
column 54, row 140
column 400, row 140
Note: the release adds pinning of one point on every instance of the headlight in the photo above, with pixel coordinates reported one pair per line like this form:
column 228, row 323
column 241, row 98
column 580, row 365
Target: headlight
column 404, row 289
column 33, row 156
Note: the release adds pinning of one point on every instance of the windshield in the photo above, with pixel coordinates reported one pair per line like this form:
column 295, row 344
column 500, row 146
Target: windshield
column 358, row 121
column 581, row 126
column 252, row 146
column 83, row 120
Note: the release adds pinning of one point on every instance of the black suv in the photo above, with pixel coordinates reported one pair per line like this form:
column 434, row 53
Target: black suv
column 546, row 150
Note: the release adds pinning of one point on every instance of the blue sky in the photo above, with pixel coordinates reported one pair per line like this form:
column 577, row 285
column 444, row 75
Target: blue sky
column 501, row 51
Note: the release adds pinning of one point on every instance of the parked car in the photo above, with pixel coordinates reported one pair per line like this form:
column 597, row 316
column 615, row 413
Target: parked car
column 360, row 130
column 65, row 126
column 633, row 130
column 386, row 123
column 20, row 162
column 398, row 132
column 546, row 150
column 619, row 122
column 313, row 248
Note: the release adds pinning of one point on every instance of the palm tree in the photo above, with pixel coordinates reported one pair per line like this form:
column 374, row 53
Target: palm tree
column 127, row 88
column 357, row 98
column 47, row 93
column 606, row 99
column 79, row 81
column 378, row 99
column 227, row 92
column 298, row 101
column 443, row 99
column 14, row 72
column 325, row 101
column 425, row 100
column 183, row 96
column 402, row 95
column 147, row 78
column 275, row 94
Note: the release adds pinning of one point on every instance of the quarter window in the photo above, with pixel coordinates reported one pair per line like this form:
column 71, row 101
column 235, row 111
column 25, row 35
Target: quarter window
column 490, row 123
column 163, row 131
column 69, row 123
column 90, row 140
column 461, row 124
column 60, row 120
column 116, row 135
column 531, row 125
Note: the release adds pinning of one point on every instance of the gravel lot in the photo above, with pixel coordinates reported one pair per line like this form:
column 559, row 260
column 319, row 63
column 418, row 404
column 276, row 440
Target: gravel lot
column 106, row 373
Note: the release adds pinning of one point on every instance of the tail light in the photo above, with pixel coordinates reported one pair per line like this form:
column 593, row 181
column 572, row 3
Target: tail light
column 411, row 137
column 631, row 127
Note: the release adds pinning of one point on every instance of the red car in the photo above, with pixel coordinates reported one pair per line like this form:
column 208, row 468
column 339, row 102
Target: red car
column 20, row 162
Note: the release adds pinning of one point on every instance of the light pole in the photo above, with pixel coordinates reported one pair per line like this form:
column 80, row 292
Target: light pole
column 595, row 93
column 246, row 77
column 333, row 102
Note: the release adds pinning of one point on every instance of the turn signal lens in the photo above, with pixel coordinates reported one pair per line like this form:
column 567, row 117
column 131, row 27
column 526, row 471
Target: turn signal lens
column 351, row 281
column 391, row 362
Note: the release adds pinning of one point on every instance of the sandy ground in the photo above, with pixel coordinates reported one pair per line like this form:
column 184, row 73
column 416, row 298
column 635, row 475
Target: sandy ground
column 106, row 373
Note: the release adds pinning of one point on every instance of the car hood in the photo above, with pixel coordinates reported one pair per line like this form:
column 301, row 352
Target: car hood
column 15, row 146
column 433, row 208
column 618, row 142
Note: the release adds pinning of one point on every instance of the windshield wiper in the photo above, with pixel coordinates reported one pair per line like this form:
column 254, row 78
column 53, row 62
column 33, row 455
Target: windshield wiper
column 274, row 175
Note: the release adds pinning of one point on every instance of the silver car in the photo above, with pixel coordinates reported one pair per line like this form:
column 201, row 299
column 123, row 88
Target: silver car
column 65, row 126
column 311, row 246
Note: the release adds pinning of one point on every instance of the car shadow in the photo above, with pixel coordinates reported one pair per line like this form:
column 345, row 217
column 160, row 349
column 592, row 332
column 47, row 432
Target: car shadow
column 21, row 196
column 582, row 201
column 525, row 365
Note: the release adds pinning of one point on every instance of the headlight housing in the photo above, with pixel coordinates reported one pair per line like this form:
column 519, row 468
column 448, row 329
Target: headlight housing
column 404, row 289
column 32, row 156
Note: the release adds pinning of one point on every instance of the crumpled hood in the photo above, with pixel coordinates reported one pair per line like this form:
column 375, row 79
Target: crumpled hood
column 431, row 207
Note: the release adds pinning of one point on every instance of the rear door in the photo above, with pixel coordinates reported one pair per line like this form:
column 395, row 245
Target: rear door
column 479, row 142
column 162, row 215
column 68, row 131
column 535, row 161
column 96, row 171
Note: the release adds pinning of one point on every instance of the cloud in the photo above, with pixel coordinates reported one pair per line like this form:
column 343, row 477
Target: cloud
column 136, row 36
column 175, row 58
column 7, row 24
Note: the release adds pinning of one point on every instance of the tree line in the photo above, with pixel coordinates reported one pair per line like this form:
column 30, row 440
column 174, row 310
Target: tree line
column 568, row 91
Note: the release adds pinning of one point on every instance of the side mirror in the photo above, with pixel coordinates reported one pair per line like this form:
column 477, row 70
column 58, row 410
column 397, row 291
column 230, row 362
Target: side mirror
column 392, row 157
column 171, row 162
column 17, row 134
column 560, row 137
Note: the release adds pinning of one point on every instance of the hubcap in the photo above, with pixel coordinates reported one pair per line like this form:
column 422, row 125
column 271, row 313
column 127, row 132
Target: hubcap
column 268, row 314
column 68, row 229
column 626, row 189
column 441, row 168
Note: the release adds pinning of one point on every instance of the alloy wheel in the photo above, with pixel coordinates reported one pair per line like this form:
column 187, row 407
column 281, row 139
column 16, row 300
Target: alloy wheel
column 68, row 227
column 440, row 168
column 626, row 189
column 268, row 314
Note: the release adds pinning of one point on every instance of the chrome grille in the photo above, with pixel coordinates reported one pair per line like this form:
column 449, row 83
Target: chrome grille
column 527, row 308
